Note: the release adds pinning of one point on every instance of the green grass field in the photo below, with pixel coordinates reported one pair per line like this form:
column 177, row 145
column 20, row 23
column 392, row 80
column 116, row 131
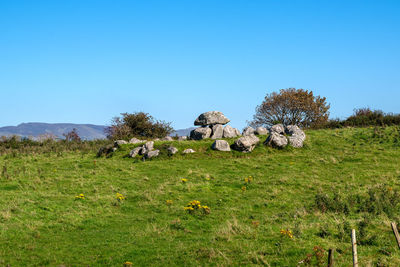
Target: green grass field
column 341, row 179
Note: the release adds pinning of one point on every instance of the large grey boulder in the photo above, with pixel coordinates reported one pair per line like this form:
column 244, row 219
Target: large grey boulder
column 167, row 138
column 172, row 150
column 211, row 118
column 188, row 151
column 229, row 132
column 261, row 131
column 151, row 154
column 296, row 136
column 221, row 145
column 135, row 152
column 200, row 133
column 217, row 131
column 248, row 131
column 276, row 140
column 246, row 143
column 277, row 128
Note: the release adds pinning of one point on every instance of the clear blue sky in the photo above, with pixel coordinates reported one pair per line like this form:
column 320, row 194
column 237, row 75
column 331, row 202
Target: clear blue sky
column 87, row 61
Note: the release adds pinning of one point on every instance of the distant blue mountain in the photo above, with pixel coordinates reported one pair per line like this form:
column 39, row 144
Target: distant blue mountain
column 34, row 129
column 85, row 131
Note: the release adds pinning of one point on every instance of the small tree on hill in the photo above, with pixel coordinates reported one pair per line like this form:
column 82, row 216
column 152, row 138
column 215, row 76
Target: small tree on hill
column 137, row 124
column 292, row 106
column 72, row 136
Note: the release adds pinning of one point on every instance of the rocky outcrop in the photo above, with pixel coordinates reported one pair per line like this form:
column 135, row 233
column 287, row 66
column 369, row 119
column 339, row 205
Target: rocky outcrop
column 261, row 131
column 248, row 131
column 221, row 145
column 200, row 133
column 167, row 138
column 188, row 151
column 105, row 150
column 246, row 143
column 280, row 136
column 211, row 118
column 217, row 131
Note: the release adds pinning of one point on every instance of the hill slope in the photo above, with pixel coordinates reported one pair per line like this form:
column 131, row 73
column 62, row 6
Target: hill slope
column 341, row 179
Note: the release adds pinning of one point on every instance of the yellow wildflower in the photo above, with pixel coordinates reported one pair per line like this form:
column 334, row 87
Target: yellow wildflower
column 80, row 196
column 169, row 202
column 120, row 197
column 244, row 188
column 184, row 180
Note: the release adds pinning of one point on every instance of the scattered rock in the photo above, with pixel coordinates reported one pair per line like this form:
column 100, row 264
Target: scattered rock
column 221, row 145
column 136, row 141
column 246, row 143
column 261, row 131
column 156, row 139
column 135, row 152
column 168, row 138
column 118, row 143
column 278, row 128
column 188, row 150
column 217, row 131
column 276, row 140
column 182, row 138
column 211, row 118
column 248, row 131
column 200, row 133
column 172, row 150
column 151, row 154
column 229, row 132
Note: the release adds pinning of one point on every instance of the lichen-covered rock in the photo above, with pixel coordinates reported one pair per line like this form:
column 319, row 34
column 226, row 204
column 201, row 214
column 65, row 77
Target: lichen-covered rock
column 172, row 150
column 188, row 151
column 135, row 152
column 248, row 131
column 151, row 154
column 229, row 132
column 211, row 118
column 217, row 131
column 276, row 140
column 261, row 131
column 296, row 136
column 246, row 143
column 221, row 145
column 278, row 128
column 200, row 133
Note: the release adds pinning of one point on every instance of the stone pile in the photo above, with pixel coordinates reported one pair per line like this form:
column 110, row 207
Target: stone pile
column 280, row 136
column 211, row 126
column 147, row 150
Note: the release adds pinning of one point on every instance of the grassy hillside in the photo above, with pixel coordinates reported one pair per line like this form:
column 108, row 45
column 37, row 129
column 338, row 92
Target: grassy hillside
column 341, row 179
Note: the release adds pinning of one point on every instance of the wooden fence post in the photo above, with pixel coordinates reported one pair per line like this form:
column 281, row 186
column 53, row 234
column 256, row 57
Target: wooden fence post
column 396, row 233
column 354, row 245
column 330, row 257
